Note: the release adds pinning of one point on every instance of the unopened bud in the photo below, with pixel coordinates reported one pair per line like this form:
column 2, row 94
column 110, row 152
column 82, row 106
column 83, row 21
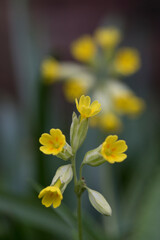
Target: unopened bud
column 99, row 202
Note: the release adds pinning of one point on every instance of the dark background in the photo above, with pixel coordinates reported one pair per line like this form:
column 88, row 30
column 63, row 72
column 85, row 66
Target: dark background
column 30, row 30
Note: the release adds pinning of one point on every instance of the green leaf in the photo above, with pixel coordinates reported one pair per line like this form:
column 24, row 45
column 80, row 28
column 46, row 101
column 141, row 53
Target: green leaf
column 32, row 212
column 148, row 216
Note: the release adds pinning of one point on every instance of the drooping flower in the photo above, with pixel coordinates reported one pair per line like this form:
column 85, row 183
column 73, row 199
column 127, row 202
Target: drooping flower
column 50, row 69
column 108, row 37
column 85, row 109
column 53, row 143
column 83, row 49
column 113, row 150
column 127, row 61
column 51, row 195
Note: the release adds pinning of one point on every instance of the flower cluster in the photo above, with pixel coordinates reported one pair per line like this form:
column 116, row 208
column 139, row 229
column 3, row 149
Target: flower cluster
column 111, row 150
column 105, row 64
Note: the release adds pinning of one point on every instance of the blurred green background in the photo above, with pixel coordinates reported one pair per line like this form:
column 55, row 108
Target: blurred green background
column 29, row 30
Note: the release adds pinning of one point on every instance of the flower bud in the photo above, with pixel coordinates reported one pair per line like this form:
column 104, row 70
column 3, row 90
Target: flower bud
column 99, row 202
column 94, row 157
column 78, row 131
column 66, row 152
column 65, row 174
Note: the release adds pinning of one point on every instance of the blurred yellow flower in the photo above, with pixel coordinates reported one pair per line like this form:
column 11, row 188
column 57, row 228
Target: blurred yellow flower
column 110, row 122
column 51, row 195
column 127, row 61
column 74, row 88
column 94, row 121
column 113, row 150
column 53, row 142
column 85, row 109
column 83, row 49
column 50, row 70
column 129, row 104
column 108, row 37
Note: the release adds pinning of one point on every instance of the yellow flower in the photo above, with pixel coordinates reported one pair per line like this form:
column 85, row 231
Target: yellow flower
column 129, row 104
column 51, row 195
column 110, row 122
column 113, row 150
column 50, row 70
column 85, row 109
column 53, row 142
column 83, row 49
column 108, row 37
column 127, row 61
column 74, row 88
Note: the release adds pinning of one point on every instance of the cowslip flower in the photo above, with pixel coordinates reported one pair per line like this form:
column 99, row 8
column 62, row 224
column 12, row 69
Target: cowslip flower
column 110, row 122
column 83, row 49
column 85, row 109
column 74, row 89
column 108, row 37
column 129, row 104
column 113, row 150
column 50, row 69
column 127, row 61
column 53, row 143
column 51, row 195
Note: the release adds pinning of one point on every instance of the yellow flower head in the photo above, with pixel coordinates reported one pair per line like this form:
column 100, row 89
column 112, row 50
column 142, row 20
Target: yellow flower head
column 74, row 89
column 53, row 143
column 50, row 70
column 113, row 150
column 127, row 61
column 83, row 49
column 85, row 109
column 129, row 104
column 110, row 122
column 51, row 195
column 108, row 37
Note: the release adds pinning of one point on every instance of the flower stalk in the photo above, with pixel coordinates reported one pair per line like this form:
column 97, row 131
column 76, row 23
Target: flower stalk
column 79, row 216
column 55, row 143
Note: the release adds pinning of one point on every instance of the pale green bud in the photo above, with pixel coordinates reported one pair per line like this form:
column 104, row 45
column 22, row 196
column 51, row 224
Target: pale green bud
column 73, row 129
column 66, row 153
column 78, row 131
column 65, row 174
column 99, row 202
column 94, row 157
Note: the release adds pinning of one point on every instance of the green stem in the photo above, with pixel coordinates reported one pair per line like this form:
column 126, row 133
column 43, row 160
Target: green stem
column 74, row 169
column 76, row 185
column 80, row 171
column 79, row 218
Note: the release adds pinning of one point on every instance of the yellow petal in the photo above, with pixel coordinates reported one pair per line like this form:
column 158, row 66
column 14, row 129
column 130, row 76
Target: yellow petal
column 95, row 106
column 119, row 146
column 42, row 193
column 86, row 101
column 81, row 100
column 77, row 104
column 120, row 157
column 55, row 132
column 46, row 149
column 86, row 111
column 47, row 200
column 56, row 202
column 111, row 139
column 45, row 138
column 110, row 159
